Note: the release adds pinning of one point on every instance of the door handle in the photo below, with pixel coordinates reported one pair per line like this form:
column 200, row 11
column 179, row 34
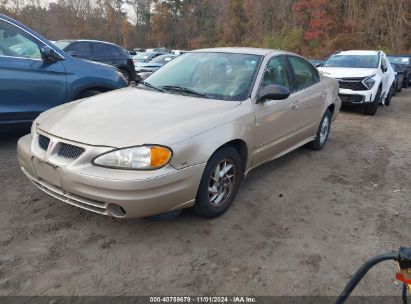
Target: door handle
column 295, row 106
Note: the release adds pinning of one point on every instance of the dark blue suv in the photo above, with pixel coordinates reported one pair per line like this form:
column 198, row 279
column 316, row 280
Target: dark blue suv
column 35, row 75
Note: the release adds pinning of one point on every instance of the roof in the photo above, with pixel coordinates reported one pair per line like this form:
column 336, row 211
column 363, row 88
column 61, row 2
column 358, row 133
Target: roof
column 360, row 52
column 242, row 50
column 86, row 40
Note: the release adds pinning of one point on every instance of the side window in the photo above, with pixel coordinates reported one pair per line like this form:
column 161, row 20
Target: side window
column 276, row 73
column 305, row 74
column 80, row 49
column 16, row 43
column 116, row 51
column 102, row 50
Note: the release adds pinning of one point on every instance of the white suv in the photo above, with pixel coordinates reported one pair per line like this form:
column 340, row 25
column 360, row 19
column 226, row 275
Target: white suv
column 365, row 77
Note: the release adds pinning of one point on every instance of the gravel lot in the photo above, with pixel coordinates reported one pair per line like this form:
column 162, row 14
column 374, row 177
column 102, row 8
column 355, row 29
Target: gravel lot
column 300, row 225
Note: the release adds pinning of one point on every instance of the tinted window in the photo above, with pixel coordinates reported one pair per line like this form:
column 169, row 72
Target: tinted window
column 104, row 50
column 276, row 73
column 353, row 61
column 399, row 59
column 80, row 49
column 305, row 74
column 16, row 43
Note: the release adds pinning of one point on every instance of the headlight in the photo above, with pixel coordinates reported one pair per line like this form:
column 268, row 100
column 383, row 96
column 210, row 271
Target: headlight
column 147, row 157
column 369, row 82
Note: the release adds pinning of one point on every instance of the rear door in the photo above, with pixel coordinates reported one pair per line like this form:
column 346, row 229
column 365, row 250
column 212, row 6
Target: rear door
column 28, row 85
column 105, row 53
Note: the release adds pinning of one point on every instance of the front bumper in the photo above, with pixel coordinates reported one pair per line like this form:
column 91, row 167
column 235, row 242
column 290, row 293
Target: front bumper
column 118, row 193
column 351, row 97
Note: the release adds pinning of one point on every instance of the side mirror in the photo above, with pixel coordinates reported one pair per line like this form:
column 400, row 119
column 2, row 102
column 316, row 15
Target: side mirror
column 384, row 68
column 49, row 55
column 72, row 53
column 273, row 92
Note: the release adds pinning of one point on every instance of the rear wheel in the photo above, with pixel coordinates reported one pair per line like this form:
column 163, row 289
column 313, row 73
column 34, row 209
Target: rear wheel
column 322, row 133
column 219, row 183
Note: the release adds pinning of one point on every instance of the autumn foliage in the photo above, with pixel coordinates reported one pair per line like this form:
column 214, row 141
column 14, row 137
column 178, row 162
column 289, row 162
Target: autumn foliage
column 314, row 28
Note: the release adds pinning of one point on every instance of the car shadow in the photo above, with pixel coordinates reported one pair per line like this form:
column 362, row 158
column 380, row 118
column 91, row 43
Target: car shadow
column 10, row 134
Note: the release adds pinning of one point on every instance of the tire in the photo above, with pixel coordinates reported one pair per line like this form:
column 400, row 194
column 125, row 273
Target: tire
column 126, row 75
column 88, row 93
column 371, row 109
column 210, row 204
column 322, row 133
column 387, row 100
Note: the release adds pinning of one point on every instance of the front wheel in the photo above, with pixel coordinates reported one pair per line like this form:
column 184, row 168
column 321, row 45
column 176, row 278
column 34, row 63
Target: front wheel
column 219, row 183
column 322, row 133
column 371, row 108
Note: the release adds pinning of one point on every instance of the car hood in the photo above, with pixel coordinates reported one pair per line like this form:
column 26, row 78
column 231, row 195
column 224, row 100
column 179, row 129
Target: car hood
column 347, row 72
column 131, row 116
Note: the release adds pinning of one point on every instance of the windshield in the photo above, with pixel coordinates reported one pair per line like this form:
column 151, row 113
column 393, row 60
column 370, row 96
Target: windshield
column 353, row 61
column 163, row 59
column 224, row 76
column 144, row 56
column 399, row 59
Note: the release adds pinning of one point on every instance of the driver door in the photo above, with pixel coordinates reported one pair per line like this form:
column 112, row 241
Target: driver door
column 28, row 85
column 276, row 120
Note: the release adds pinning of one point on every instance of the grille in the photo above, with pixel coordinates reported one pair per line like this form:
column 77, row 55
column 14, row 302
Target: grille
column 70, row 151
column 352, row 85
column 44, row 142
column 351, row 98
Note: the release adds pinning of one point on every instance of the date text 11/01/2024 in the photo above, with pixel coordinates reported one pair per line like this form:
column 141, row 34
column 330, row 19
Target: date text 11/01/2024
column 201, row 299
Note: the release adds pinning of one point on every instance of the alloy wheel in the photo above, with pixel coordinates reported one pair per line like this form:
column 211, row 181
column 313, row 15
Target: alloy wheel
column 325, row 127
column 221, row 183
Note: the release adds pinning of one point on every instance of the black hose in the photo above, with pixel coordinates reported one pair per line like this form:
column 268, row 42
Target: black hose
column 404, row 294
column 362, row 271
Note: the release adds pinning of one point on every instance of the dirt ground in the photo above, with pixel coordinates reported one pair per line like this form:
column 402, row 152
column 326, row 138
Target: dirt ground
column 300, row 225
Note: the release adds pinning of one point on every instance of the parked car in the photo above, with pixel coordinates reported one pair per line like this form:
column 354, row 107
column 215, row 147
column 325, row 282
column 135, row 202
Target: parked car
column 35, row 75
column 404, row 60
column 316, row 62
column 146, row 56
column 101, row 51
column 189, row 134
column 365, row 78
column 145, row 69
column 400, row 71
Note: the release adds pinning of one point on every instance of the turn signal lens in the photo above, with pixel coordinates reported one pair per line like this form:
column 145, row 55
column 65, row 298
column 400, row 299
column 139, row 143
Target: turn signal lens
column 160, row 156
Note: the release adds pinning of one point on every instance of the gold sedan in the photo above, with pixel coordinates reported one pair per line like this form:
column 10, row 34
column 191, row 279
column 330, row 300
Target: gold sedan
column 185, row 137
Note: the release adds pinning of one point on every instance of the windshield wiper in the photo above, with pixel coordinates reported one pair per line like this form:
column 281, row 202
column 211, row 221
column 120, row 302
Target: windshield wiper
column 149, row 85
column 185, row 90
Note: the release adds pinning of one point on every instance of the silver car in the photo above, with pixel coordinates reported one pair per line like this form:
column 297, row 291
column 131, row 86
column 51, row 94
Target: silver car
column 185, row 137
